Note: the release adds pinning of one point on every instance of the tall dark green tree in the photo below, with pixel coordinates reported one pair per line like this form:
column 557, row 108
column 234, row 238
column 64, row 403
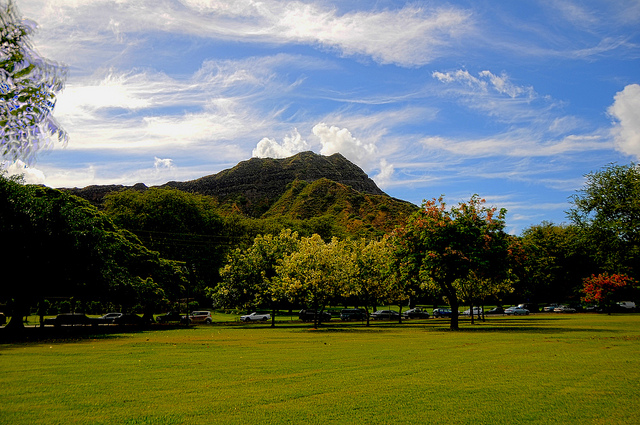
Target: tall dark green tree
column 554, row 264
column 607, row 210
column 61, row 246
column 180, row 225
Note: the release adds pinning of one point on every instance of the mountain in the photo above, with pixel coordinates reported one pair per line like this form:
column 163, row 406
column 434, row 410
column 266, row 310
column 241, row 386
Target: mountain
column 254, row 185
column 302, row 186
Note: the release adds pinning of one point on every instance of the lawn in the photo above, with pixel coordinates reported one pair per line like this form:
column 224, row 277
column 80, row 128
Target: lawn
column 538, row 369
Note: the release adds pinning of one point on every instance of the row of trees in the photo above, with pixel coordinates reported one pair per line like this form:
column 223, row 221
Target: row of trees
column 462, row 253
column 64, row 247
column 58, row 245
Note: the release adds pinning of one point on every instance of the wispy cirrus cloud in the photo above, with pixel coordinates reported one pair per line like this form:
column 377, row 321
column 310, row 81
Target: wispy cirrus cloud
column 408, row 36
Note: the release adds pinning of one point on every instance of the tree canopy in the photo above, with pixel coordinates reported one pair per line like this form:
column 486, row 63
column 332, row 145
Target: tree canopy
column 447, row 248
column 60, row 245
column 607, row 209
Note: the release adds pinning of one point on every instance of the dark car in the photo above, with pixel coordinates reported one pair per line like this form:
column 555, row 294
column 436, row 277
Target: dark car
column 385, row 315
column 415, row 313
column 441, row 312
column 129, row 319
column 353, row 314
column 170, row 317
column 71, row 319
column 497, row 310
column 309, row 316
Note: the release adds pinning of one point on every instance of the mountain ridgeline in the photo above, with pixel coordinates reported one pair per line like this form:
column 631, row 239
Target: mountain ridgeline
column 301, row 187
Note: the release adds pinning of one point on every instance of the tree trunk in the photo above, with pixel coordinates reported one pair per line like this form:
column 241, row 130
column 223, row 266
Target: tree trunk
column 453, row 304
column 471, row 313
column 18, row 311
column 273, row 317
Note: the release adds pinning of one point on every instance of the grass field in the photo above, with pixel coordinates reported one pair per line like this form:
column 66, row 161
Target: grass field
column 538, row 369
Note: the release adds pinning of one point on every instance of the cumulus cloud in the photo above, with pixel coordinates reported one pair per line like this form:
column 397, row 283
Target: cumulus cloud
column 291, row 144
column 31, row 175
column 385, row 176
column 159, row 163
column 365, row 154
column 340, row 140
column 626, row 113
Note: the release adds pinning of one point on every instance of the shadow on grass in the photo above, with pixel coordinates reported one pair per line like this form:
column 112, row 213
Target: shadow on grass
column 75, row 333
column 528, row 324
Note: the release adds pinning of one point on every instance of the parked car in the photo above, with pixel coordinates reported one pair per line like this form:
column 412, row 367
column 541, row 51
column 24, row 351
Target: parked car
column 129, row 319
column 385, row 315
column 71, row 319
column 529, row 306
column 496, row 310
column 564, row 309
column 476, row 311
column 516, row 311
column 348, row 314
column 3, row 319
column 416, row 313
column 108, row 318
column 173, row 316
column 255, row 317
column 309, row 316
column 200, row 317
column 626, row 305
column 441, row 312
column 550, row 307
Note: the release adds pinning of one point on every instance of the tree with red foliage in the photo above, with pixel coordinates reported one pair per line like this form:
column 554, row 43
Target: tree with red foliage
column 606, row 289
column 442, row 249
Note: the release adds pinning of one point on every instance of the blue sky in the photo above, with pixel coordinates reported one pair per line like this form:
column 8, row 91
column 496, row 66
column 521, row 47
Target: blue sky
column 512, row 100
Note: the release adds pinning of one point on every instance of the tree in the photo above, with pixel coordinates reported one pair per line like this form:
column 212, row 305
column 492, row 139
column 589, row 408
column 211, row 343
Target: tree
column 181, row 226
column 367, row 266
column 63, row 246
column 554, row 262
column 606, row 289
column 28, row 84
column 443, row 248
column 312, row 275
column 607, row 209
column 247, row 278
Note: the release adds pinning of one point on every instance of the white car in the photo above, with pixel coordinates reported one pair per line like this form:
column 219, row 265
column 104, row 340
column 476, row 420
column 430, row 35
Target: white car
column 200, row 317
column 255, row 317
column 516, row 311
column 476, row 311
column 564, row 309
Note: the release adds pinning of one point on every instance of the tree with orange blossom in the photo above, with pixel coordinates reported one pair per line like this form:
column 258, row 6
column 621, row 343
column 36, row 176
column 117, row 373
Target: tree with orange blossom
column 606, row 289
column 442, row 249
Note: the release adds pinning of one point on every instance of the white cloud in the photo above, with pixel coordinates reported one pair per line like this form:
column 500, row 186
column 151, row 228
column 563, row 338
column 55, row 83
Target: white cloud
column 385, row 177
column 340, row 140
column 291, row 144
column 517, row 143
column 626, row 112
column 485, row 81
column 31, row 175
column 159, row 163
column 410, row 36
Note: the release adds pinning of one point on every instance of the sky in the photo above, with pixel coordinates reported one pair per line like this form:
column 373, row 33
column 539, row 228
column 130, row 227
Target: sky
column 512, row 100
